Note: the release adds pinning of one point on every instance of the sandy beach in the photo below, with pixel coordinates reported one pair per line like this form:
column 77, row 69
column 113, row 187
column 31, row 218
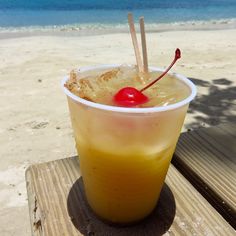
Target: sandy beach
column 34, row 122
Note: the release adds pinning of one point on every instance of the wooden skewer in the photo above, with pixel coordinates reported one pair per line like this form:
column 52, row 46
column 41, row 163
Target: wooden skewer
column 135, row 42
column 144, row 47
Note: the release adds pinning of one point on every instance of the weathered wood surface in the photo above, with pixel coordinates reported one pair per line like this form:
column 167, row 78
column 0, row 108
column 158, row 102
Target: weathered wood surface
column 58, row 207
column 207, row 157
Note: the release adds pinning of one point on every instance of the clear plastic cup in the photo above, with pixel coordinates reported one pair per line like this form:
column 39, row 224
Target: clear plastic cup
column 124, row 152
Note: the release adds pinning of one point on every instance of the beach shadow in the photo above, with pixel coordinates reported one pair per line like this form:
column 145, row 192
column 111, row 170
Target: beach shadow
column 216, row 106
column 83, row 218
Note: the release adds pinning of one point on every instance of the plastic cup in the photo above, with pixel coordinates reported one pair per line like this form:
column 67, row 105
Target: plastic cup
column 125, row 153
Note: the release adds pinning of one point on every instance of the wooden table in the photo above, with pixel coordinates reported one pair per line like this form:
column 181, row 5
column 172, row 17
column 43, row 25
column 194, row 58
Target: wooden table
column 198, row 197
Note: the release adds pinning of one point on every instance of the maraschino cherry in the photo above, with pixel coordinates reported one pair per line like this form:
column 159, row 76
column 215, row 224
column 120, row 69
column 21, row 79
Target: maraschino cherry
column 130, row 97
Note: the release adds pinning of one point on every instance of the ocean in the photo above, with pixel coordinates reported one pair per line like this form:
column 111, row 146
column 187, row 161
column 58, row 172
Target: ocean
column 105, row 13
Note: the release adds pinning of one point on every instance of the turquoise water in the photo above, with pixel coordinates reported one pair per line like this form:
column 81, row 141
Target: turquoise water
column 18, row 13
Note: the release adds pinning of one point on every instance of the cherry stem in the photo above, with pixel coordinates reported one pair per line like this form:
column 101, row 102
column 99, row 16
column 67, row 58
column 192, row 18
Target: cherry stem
column 177, row 56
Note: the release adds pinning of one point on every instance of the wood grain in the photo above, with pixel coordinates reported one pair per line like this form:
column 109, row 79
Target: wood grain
column 58, row 206
column 207, row 157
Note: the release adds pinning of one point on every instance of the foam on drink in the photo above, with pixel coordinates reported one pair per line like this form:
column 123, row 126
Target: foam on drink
column 100, row 86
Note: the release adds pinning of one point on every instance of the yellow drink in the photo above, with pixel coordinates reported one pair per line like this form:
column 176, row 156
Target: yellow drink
column 124, row 154
column 126, row 187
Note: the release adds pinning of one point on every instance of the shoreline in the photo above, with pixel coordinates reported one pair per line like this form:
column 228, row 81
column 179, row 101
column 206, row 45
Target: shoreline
column 101, row 29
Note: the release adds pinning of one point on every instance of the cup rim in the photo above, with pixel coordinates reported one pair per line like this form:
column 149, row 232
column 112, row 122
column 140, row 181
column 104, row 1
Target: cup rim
column 131, row 109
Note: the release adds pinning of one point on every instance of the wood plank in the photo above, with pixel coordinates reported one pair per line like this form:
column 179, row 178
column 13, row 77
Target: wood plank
column 58, row 206
column 207, row 157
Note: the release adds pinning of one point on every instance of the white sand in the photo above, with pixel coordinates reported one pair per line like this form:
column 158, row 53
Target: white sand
column 34, row 121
